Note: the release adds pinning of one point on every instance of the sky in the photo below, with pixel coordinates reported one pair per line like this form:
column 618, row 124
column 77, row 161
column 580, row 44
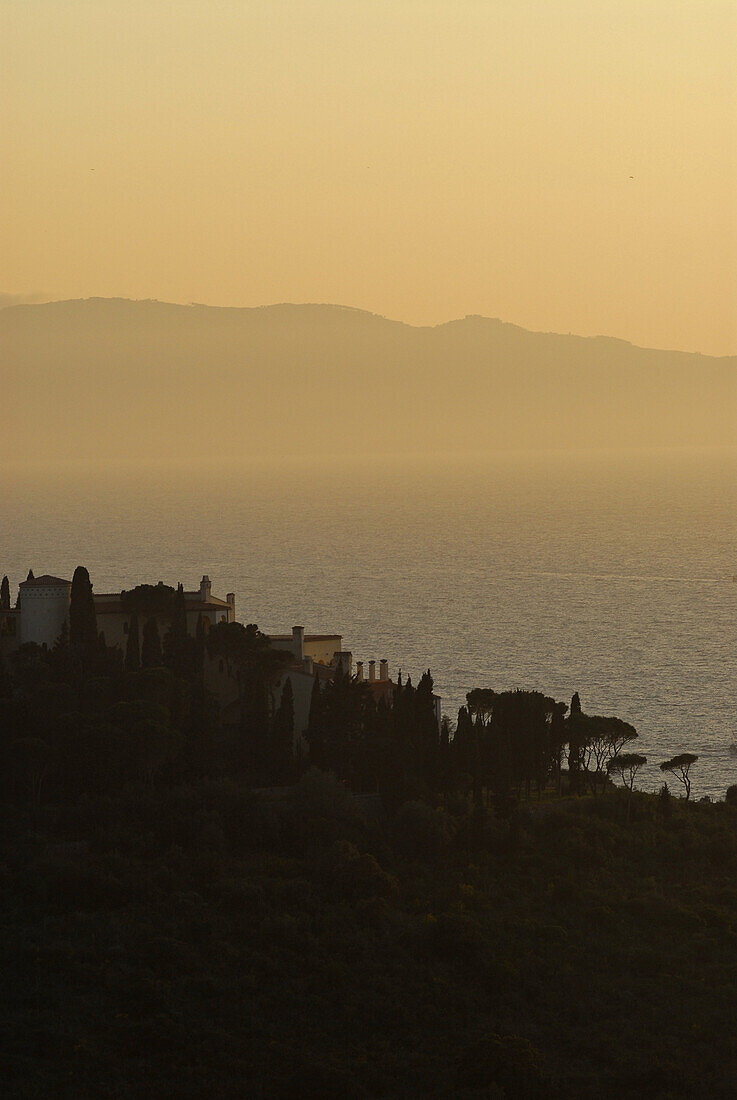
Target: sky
column 567, row 166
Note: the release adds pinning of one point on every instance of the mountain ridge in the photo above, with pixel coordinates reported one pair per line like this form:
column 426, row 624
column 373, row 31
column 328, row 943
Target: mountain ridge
column 339, row 308
column 91, row 378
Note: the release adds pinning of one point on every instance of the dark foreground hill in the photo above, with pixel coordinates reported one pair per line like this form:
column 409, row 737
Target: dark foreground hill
column 209, row 942
column 113, row 380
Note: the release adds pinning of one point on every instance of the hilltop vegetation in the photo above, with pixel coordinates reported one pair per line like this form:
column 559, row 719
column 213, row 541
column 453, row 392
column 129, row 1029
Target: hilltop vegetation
column 206, row 939
column 494, row 924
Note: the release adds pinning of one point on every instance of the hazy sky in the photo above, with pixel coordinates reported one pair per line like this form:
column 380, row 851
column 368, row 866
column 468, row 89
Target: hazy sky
column 568, row 166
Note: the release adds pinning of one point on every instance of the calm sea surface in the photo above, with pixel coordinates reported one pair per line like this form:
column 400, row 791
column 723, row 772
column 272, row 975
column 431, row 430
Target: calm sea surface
column 614, row 577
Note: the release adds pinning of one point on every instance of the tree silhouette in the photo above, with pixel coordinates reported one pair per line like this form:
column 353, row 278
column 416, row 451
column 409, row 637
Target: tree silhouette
column 176, row 639
column 199, row 639
column 426, row 732
column 151, row 645
column 446, row 770
column 596, row 740
column 680, row 767
column 5, row 684
column 132, row 646
column 5, row 594
column 82, row 618
column 254, row 665
column 576, row 745
column 626, row 765
column 284, row 734
column 338, row 731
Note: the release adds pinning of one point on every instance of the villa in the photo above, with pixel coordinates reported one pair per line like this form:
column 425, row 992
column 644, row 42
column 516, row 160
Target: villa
column 43, row 608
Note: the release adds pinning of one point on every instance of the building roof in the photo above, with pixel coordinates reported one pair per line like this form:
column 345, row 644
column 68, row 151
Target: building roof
column 195, row 598
column 111, row 600
column 45, row 579
column 109, row 604
column 307, row 638
column 322, row 672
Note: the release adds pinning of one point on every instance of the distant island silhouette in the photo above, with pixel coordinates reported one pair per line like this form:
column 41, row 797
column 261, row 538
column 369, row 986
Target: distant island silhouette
column 149, row 380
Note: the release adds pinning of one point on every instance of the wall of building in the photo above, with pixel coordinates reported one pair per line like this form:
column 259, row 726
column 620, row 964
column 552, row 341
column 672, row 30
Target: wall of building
column 322, row 647
column 43, row 611
column 302, row 686
column 115, row 624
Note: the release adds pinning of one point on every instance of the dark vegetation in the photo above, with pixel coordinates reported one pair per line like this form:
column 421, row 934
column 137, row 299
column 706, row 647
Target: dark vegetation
column 471, row 911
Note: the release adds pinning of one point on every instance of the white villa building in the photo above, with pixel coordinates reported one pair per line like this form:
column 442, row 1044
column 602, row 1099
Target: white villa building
column 43, row 608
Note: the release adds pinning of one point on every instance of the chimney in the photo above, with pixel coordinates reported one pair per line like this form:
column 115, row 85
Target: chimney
column 343, row 659
column 383, row 670
column 298, row 642
column 230, row 600
column 359, row 671
column 205, row 588
column 372, row 671
column 309, row 666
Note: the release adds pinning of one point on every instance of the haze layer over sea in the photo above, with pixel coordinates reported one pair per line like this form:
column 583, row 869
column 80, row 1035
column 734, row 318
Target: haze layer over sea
column 614, row 576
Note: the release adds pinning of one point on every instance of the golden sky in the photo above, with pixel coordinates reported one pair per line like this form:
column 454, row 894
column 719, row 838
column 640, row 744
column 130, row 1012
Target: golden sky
column 568, row 166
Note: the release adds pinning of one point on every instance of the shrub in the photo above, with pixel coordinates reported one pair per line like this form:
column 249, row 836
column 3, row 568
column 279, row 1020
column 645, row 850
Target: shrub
column 665, row 804
column 322, row 810
column 320, row 794
column 455, row 938
column 421, row 832
column 350, row 876
column 509, row 1062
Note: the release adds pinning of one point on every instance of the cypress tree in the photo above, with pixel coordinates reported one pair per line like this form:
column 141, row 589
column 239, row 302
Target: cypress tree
column 82, row 617
column 132, row 646
column 5, row 687
column 5, row 595
column 315, row 699
column 176, row 638
column 315, row 730
column 427, row 734
column 199, row 631
column 284, row 733
column 576, row 745
column 151, row 646
column 179, row 617
column 446, row 775
column 199, row 641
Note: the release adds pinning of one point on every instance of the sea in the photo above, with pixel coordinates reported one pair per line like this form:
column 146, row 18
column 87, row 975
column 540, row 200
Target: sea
column 611, row 574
